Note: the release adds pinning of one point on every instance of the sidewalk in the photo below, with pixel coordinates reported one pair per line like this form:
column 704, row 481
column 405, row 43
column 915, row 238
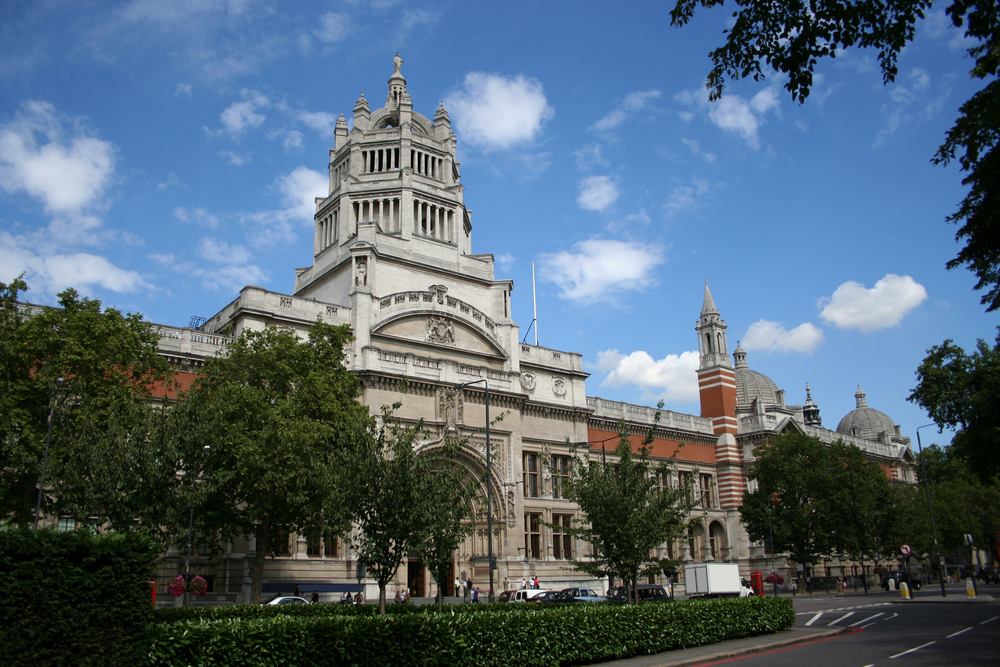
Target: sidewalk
column 729, row 649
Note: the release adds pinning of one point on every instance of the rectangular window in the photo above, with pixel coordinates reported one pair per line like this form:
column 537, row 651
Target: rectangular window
column 531, row 475
column 707, row 492
column 532, row 535
column 66, row 524
column 685, row 482
column 313, row 544
column 203, row 544
column 560, row 475
column 330, row 547
column 279, row 542
column 562, row 541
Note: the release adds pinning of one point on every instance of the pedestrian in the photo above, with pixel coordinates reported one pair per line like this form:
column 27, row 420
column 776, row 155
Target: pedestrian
column 524, row 583
column 506, row 583
column 315, row 596
column 536, row 583
column 343, row 597
column 809, row 582
column 475, row 595
column 359, row 598
column 298, row 591
column 458, row 587
column 406, row 595
column 399, row 597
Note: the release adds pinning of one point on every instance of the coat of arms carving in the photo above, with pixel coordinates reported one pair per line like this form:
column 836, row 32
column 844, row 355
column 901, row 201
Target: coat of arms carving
column 440, row 330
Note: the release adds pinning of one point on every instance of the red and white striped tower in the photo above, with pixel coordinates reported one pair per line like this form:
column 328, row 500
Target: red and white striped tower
column 717, row 388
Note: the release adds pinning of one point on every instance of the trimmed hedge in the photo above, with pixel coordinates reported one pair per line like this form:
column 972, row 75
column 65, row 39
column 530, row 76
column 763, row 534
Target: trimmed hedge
column 74, row 598
column 492, row 635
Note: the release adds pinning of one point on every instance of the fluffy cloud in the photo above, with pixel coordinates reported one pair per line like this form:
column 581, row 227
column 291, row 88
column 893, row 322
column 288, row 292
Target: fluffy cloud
column 52, row 272
column 589, row 157
column 333, row 27
column 599, row 268
column 241, row 116
column 852, row 306
column 733, row 113
column 597, row 193
column 673, row 378
column 685, row 197
column 323, row 122
column 227, row 278
column 183, row 90
column 913, row 100
column 293, row 140
column 505, row 260
column 220, row 252
column 632, row 103
column 493, row 112
column 299, row 190
column 696, row 149
column 773, row 337
column 65, row 173
column 198, row 216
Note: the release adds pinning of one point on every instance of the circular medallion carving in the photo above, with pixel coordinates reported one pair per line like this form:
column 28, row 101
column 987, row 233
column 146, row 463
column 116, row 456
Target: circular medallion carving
column 528, row 381
column 559, row 386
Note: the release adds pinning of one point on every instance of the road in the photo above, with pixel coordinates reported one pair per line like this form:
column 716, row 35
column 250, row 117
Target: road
column 881, row 633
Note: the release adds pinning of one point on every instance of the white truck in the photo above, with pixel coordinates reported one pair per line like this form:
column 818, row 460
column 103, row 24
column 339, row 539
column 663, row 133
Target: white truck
column 713, row 580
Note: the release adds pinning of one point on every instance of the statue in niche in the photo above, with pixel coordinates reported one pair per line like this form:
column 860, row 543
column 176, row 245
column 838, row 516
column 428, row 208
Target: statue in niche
column 397, row 62
column 362, row 278
column 440, row 330
column 450, row 409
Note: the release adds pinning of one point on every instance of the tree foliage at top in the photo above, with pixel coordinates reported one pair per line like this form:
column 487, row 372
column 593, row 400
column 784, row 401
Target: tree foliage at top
column 962, row 391
column 626, row 509
column 791, row 37
column 109, row 363
column 265, row 435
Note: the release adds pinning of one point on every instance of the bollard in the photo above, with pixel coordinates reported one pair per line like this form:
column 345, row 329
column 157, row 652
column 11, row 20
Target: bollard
column 904, row 590
column 970, row 588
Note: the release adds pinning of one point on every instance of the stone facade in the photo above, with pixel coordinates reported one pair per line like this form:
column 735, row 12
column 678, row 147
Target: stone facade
column 393, row 259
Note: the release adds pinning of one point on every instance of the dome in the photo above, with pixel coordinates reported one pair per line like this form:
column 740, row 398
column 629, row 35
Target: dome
column 865, row 422
column 751, row 384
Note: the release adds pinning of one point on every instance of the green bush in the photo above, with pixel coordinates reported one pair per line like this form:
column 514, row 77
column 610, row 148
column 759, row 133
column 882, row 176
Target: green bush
column 473, row 635
column 74, row 598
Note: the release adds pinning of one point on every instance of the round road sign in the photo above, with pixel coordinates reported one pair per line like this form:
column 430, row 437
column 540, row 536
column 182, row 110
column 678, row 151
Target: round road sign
column 906, row 550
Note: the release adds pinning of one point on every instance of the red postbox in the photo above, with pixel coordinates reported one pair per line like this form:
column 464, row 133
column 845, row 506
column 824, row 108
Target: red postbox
column 757, row 583
column 152, row 590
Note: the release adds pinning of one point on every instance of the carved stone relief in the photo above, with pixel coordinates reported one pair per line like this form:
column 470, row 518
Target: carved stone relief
column 361, row 278
column 450, row 409
column 559, row 386
column 440, row 330
column 528, row 381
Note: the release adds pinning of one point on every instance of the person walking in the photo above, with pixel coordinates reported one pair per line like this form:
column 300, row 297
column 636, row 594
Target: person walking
column 399, row 597
column 524, row 582
column 315, row 596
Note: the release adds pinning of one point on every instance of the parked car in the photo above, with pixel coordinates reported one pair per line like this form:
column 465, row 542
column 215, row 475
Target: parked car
column 646, row 593
column 288, row 599
column 525, row 594
column 899, row 577
column 505, row 596
column 553, row 596
column 990, row 575
column 582, row 594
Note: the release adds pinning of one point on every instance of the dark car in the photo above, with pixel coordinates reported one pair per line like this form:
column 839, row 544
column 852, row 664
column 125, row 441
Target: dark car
column 646, row 593
column 582, row 595
column 553, row 596
column 989, row 575
column 900, row 576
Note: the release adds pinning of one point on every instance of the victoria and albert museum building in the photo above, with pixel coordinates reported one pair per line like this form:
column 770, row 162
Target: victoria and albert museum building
column 393, row 259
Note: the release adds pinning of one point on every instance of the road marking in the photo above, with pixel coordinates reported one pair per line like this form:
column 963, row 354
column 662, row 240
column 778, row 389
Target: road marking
column 814, row 618
column 866, row 626
column 881, row 613
column 889, row 618
column 911, row 650
column 989, row 619
column 850, row 613
column 955, row 634
column 871, row 665
column 858, row 606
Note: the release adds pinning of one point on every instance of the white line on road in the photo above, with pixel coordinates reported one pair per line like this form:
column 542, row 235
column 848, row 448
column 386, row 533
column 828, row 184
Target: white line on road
column 814, row 618
column 989, row 619
column 850, row 613
column 955, row 634
column 911, row 650
column 866, row 626
column 889, row 618
column 881, row 613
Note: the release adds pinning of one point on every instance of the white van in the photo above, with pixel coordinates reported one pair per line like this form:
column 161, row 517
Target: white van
column 525, row 594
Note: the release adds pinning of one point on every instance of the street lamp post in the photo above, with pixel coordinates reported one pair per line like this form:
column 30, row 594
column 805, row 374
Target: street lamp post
column 45, row 458
column 930, row 508
column 489, row 481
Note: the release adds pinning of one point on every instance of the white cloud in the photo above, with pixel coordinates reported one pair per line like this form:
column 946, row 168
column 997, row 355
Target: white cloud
column 322, row 121
column 773, row 337
column 685, row 197
column 293, row 140
column 733, row 113
column 227, row 278
column 696, row 150
column 183, row 89
column 241, row 116
column 589, row 157
column 333, row 27
column 197, row 215
column 673, row 378
column 67, row 172
column 171, row 180
column 913, row 100
column 505, row 260
column 632, row 103
column 600, row 268
column 597, row 193
column 498, row 112
column 852, row 306
column 234, row 159
column 220, row 252
column 299, row 190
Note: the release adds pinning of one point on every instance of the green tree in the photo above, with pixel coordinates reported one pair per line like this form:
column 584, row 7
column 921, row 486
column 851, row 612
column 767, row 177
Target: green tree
column 791, row 37
column 108, row 362
column 961, row 391
column 627, row 509
column 265, row 435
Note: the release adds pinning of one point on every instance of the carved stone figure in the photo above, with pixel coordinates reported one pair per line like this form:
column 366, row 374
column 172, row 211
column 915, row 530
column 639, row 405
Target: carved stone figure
column 440, row 330
column 559, row 386
column 397, row 62
column 528, row 381
column 362, row 276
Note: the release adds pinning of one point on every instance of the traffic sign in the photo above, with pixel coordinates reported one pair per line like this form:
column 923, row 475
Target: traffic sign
column 906, row 550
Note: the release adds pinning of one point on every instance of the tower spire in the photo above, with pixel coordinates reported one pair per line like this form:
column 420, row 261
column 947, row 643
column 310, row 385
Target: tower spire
column 708, row 305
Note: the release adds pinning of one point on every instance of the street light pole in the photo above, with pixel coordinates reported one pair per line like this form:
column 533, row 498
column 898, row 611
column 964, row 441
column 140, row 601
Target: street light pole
column 489, row 482
column 930, row 508
column 45, row 458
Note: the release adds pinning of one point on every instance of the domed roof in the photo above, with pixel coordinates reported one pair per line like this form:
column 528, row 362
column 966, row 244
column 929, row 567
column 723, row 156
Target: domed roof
column 865, row 422
column 751, row 384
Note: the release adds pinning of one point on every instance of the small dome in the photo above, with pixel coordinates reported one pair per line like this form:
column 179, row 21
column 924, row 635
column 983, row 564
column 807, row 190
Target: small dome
column 751, row 384
column 865, row 422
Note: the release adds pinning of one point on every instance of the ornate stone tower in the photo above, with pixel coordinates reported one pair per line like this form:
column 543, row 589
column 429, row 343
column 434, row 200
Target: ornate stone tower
column 810, row 411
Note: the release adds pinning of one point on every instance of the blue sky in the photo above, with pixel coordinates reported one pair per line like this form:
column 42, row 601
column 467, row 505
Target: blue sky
column 159, row 156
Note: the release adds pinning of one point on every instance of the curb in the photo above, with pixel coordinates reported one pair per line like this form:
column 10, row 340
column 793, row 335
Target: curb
column 979, row 599
column 760, row 648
